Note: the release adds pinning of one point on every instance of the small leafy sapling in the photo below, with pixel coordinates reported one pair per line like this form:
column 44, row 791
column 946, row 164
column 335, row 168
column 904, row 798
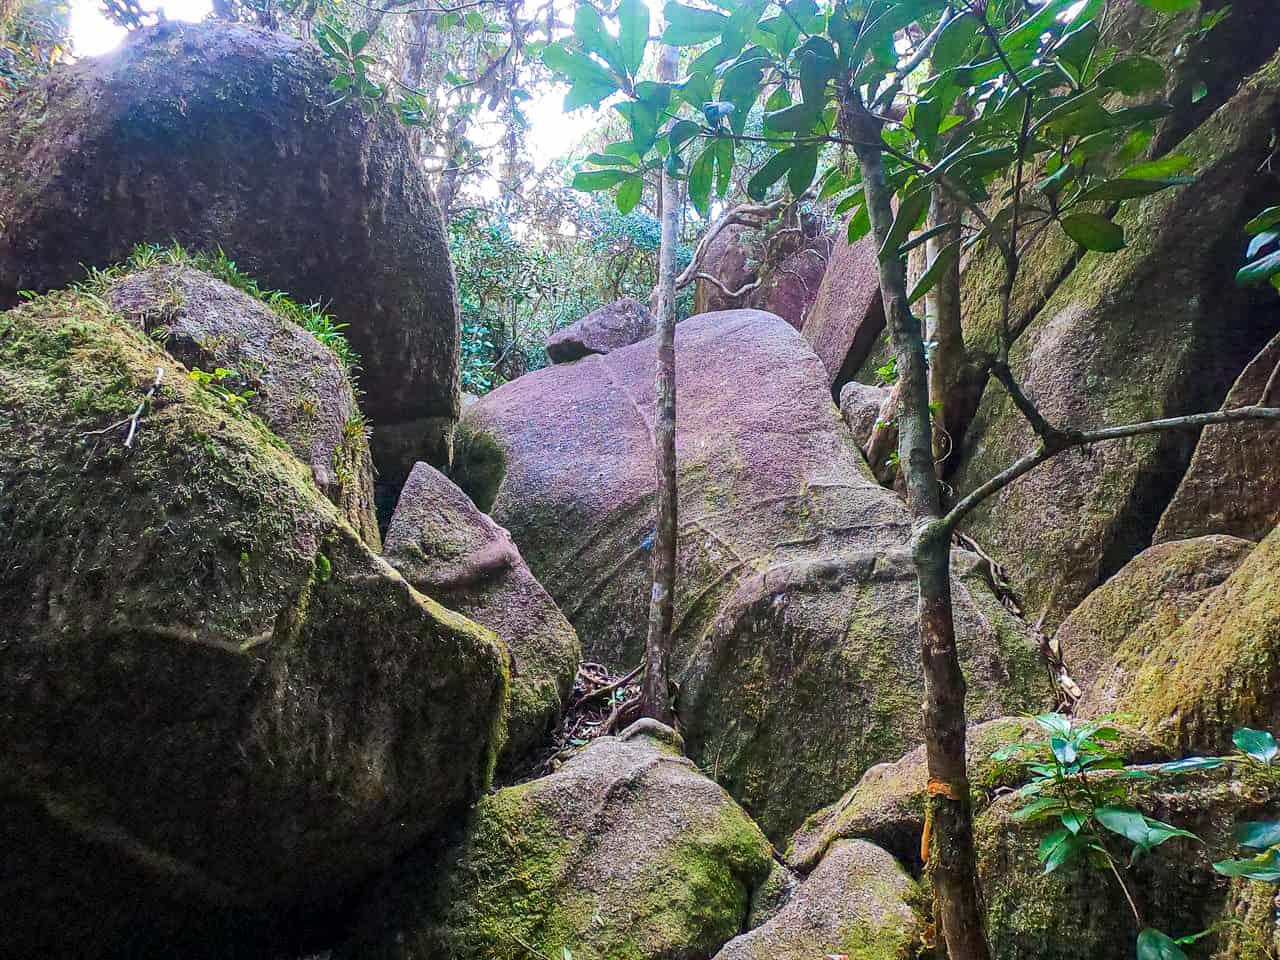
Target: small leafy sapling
column 1259, row 749
column 225, row 384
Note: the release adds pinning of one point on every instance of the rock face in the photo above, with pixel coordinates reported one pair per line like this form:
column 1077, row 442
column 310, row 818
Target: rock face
column 298, row 386
column 797, row 588
column 1233, row 483
column 1219, row 670
column 1077, row 911
column 625, row 851
column 1156, row 330
column 158, row 141
column 453, row 553
column 858, row 903
column 1151, row 596
column 847, row 318
column 860, row 406
column 211, row 686
column 614, row 325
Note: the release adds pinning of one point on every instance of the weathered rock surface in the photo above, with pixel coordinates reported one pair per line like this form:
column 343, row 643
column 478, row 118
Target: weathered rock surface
column 208, row 680
column 1150, row 598
column 298, row 386
column 860, row 405
column 219, row 135
column 1218, row 671
column 797, row 588
column 1077, row 911
column 614, row 325
column 450, row 551
column 847, row 318
column 858, row 903
column 1233, row 483
column 1156, row 330
column 625, row 851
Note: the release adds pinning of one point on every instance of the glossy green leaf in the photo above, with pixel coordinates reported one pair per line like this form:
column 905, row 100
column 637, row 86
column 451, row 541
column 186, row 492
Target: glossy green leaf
column 724, row 165
column 1191, row 764
column 1154, row 945
column 591, row 81
column 1261, row 242
column 689, row 26
column 589, row 28
column 633, row 32
column 1258, row 834
column 804, row 165
column 681, row 132
column 1170, row 166
column 1258, row 744
column 1262, row 867
column 590, row 180
column 799, row 118
column 1267, row 219
column 629, row 194
column 1133, row 75
column 1094, row 232
column 700, row 177
column 1125, row 188
column 859, row 224
column 774, row 169
column 911, row 209
column 946, row 257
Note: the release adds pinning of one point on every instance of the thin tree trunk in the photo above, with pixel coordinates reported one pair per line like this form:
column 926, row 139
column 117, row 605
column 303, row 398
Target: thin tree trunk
column 952, row 862
column 655, row 700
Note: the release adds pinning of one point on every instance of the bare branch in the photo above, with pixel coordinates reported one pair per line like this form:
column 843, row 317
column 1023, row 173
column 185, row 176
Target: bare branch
column 746, row 214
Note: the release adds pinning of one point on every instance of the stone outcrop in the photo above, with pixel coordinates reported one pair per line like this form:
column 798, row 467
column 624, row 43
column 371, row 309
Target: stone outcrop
column 860, row 405
column 296, row 385
column 858, row 903
column 221, row 136
column 797, row 590
column 450, row 551
column 626, row 850
column 617, row 324
column 1233, row 483
column 847, row 319
column 213, row 689
column 1158, row 329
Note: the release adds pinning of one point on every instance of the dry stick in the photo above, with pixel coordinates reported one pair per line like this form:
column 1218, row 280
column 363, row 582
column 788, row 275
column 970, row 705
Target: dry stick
column 601, row 691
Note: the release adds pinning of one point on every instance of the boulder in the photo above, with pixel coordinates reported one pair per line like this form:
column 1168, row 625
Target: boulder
column 298, row 386
column 1157, row 330
column 847, row 318
column 209, row 681
column 860, row 405
column 1078, row 910
column 1233, row 483
column 796, row 587
column 626, row 851
column 220, row 136
column 859, row 903
column 450, row 551
column 733, row 257
column 1218, row 671
column 1148, row 599
column 614, row 325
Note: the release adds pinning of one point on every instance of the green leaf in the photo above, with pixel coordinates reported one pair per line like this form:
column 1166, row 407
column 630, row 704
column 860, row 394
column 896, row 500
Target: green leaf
column 1063, row 750
column 1152, row 944
column 1258, row 744
column 774, row 169
column 1262, row 241
column 358, row 41
column 912, row 207
column 1078, row 117
column 1125, row 821
column 859, row 224
column 1126, row 188
column 1055, row 723
column 1263, row 867
column 724, row 165
column 633, row 32
column 1133, row 75
column 941, row 264
column 629, row 194
column 799, row 118
column 1170, row 166
column 1169, row 6
column 879, row 34
column 689, row 26
column 591, row 180
column 591, row 81
column 1094, row 232
column 588, row 27
column 1258, row 834
column 474, row 22
column 1267, row 219
column 1192, row 763
column 1058, row 848
column 700, row 176
column 681, row 132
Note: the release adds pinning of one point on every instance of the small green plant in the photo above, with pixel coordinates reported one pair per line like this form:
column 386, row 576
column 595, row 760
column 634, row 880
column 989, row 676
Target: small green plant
column 226, row 385
column 1257, row 747
column 1263, row 255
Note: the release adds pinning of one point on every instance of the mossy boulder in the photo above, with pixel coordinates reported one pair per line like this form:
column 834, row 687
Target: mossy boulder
column 627, row 852
column 1219, row 670
column 858, row 903
column 1156, row 330
column 298, row 386
column 1078, row 911
column 220, row 135
column 1233, row 483
column 796, row 645
column 618, row 324
column 450, row 551
column 1149, row 599
column 206, row 675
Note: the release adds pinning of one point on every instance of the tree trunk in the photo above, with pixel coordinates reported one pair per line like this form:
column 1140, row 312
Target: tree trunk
column 655, row 700
column 951, row 862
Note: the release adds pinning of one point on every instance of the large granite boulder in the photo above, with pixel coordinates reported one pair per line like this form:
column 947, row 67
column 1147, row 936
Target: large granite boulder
column 847, row 319
column 797, row 592
column 860, row 405
column 221, row 136
column 859, row 903
column 614, row 325
column 450, row 551
column 213, row 689
column 1233, row 483
column 1156, row 330
column 1146, row 601
column 626, row 851
column 298, row 386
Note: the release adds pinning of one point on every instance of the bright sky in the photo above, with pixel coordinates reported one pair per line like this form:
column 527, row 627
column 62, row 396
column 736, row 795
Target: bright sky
column 552, row 132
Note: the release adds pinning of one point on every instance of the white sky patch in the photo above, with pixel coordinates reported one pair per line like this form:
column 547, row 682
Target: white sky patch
column 92, row 34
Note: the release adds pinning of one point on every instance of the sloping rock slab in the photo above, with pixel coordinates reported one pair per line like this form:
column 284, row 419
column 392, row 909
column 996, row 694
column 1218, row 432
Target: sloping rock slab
column 617, row 324
column 450, row 551
column 796, row 592
column 625, row 851
column 847, row 317
column 298, row 385
column 221, row 135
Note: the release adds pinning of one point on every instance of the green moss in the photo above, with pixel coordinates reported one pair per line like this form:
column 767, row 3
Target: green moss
column 479, row 465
